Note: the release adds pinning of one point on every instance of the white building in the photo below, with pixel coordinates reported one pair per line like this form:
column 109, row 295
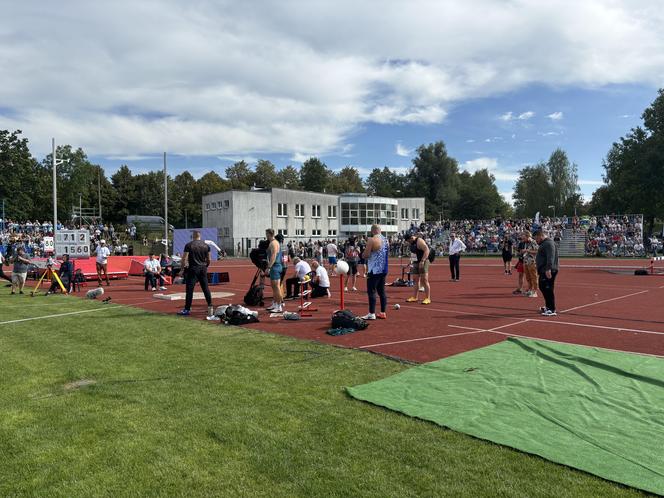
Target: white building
column 243, row 216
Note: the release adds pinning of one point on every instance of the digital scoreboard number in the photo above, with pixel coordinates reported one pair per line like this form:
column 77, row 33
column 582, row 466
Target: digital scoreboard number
column 76, row 243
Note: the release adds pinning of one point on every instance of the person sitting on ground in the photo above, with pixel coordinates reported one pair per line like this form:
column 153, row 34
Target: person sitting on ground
column 320, row 286
column 152, row 270
column 66, row 275
column 293, row 284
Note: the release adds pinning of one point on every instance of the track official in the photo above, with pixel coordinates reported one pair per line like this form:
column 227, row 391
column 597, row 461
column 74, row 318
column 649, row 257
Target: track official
column 456, row 248
column 195, row 262
column 547, row 270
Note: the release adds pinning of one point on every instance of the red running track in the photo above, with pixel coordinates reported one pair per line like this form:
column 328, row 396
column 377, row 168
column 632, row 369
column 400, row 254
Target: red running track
column 602, row 307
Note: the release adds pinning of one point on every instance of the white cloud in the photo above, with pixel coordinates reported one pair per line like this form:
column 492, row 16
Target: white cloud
column 555, row 116
column 234, row 78
column 237, row 159
column 508, row 116
column 470, row 141
column 402, row 151
column 549, row 133
column 491, row 164
column 591, row 183
column 507, row 195
column 298, row 157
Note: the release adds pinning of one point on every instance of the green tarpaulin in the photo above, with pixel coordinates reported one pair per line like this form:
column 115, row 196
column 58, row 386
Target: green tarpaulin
column 595, row 410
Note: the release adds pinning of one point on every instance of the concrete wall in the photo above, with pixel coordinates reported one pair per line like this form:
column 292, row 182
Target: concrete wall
column 242, row 216
column 410, row 203
column 307, row 223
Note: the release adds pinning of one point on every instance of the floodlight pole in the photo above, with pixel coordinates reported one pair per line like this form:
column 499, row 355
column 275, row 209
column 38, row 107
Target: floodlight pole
column 55, row 193
column 165, row 205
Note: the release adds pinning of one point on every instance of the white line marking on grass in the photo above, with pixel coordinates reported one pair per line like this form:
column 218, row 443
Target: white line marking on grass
column 557, row 342
column 58, row 315
column 604, row 301
column 419, row 339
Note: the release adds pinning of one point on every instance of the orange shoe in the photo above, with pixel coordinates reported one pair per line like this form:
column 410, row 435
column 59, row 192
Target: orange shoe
column 426, row 301
column 411, row 299
column 381, row 316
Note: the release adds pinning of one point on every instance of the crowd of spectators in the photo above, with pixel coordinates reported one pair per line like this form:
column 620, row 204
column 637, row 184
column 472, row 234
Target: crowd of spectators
column 618, row 236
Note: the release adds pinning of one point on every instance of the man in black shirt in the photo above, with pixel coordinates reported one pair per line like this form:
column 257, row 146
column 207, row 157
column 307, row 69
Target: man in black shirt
column 195, row 262
column 547, row 269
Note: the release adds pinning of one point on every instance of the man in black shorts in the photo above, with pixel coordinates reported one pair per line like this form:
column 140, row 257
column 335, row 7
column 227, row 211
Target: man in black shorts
column 195, row 262
column 352, row 257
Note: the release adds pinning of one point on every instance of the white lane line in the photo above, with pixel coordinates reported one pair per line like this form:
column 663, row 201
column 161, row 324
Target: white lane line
column 58, row 315
column 557, row 342
column 419, row 339
column 604, row 301
column 440, row 336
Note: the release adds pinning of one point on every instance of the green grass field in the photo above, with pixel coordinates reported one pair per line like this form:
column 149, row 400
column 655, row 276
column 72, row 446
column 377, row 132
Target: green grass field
column 177, row 407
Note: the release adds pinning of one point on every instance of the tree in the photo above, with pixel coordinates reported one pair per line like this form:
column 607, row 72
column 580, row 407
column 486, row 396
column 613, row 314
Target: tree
column 265, row 175
column 289, row 177
column 385, row 182
column 240, row 176
column 125, row 188
column 564, row 179
column 346, row 180
column 314, row 175
column 186, row 203
column 532, row 192
column 434, row 176
column 479, row 197
column 22, row 183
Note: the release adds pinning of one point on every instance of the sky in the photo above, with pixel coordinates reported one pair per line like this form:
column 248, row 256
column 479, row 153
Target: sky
column 503, row 83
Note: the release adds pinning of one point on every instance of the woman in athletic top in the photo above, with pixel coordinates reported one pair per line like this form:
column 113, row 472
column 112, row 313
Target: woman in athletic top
column 376, row 253
column 274, row 269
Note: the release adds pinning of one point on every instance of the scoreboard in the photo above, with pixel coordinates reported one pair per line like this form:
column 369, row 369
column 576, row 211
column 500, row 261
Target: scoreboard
column 76, row 243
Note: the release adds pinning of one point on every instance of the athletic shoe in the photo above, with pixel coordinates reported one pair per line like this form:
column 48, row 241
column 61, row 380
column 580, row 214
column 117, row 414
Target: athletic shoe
column 543, row 310
column 549, row 313
column 154, row 289
column 345, row 289
column 162, row 288
column 532, row 294
column 381, row 316
column 184, row 312
column 422, row 289
column 517, row 292
column 411, row 300
column 426, row 301
column 278, row 309
column 213, row 318
column 369, row 316
column 354, row 288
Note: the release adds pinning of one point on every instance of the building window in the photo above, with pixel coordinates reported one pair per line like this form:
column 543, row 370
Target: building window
column 299, row 210
column 315, row 211
column 207, row 206
column 332, row 233
column 213, row 206
column 416, row 213
column 219, row 205
column 368, row 213
column 331, row 211
column 299, row 232
column 282, row 210
column 283, row 231
column 227, row 203
column 404, row 213
column 315, row 232
column 226, row 231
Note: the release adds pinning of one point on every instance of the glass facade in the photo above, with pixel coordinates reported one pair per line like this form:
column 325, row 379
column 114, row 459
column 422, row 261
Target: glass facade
column 368, row 213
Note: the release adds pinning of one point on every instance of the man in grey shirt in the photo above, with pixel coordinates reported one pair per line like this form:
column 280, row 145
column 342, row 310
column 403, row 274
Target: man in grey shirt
column 547, row 269
column 20, row 271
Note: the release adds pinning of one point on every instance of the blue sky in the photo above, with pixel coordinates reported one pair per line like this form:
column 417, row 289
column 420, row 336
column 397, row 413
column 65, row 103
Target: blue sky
column 502, row 83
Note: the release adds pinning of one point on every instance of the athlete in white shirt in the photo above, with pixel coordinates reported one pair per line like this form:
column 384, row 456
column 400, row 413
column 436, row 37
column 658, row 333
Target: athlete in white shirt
column 321, row 283
column 456, row 248
column 332, row 251
column 302, row 269
column 103, row 253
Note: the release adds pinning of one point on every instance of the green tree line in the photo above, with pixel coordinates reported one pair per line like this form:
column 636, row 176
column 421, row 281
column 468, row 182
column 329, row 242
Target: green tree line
column 633, row 182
